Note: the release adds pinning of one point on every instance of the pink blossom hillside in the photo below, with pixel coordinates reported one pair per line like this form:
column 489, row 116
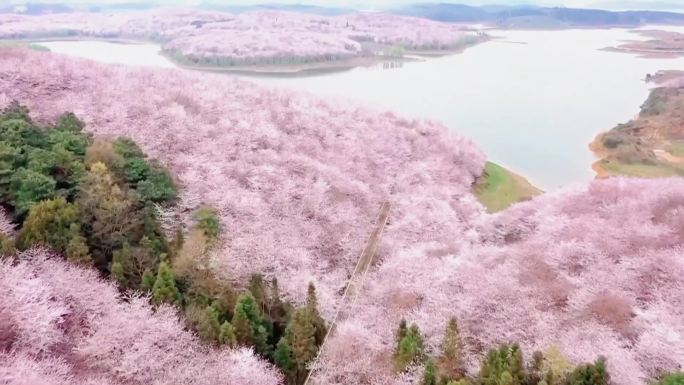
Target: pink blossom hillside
column 593, row 271
column 260, row 37
column 297, row 181
column 62, row 325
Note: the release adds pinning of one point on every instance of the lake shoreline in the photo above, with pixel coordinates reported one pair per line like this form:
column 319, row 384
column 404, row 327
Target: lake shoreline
column 498, row 188
column 649, row 145
column 290, row 70
column 453, row 90
column 323, row 67
column 661, row 44
column 313, row 68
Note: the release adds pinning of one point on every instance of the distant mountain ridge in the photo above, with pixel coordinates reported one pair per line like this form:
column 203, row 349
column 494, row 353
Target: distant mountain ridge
column 303, row 8
column 533, row 16
column 520, row 16
column 37, row 8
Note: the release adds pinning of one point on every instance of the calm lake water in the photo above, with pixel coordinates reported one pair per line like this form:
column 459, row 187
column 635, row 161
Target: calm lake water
column 532, row 100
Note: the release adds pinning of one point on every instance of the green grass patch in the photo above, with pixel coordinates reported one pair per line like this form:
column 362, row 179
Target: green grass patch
column 38, row 47
column 642, row 170
column 676, row 149
column 22, row 44
column 498, row 188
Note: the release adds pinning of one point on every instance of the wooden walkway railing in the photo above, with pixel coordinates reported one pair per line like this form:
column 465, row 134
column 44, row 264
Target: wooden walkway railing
column 355, row 284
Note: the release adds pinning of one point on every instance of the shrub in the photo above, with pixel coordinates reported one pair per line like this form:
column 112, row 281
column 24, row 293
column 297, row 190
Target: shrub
column 164, row 289
column 52, row 222
column 672, row 379
column 31, row 187
column 590, row 374
column 409, row 349
column 612, row 140
column 504, row 365
column 156, row 185
column 208, row 221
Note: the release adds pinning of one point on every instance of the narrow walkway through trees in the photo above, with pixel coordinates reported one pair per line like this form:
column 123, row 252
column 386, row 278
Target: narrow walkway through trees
column 353, row 289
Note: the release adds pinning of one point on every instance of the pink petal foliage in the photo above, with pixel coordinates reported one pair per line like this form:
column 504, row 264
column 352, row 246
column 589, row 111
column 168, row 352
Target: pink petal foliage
column 61, row 324
column 596, row 270
column 6, row 226
column 249, row 37
column 297, row 182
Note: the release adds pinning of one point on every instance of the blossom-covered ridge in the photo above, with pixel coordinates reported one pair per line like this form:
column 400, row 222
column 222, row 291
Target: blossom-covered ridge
column 297, row 182
column 260, row 37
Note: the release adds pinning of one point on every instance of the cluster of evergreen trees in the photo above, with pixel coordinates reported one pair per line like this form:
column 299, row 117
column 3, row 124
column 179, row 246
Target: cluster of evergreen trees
column 93, row 200
column 504, row 365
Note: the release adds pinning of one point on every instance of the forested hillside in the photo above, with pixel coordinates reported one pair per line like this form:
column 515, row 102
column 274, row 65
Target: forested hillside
column 520, row 16
column 265, row 37
column 293, row 184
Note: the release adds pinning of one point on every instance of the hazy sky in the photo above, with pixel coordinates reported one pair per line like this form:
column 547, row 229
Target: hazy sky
column 379, row 4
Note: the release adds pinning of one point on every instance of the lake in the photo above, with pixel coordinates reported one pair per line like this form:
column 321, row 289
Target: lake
column 532, row 100
column 110, row 52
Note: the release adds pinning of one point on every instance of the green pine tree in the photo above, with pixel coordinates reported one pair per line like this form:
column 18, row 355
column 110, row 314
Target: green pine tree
column 312, row 308
column 590, row 374
column 148, row 280
column 517, row 365
column 301, row 337
column 118, row 273
column 284, row 360
column 208, row 221
column 409, row 350
column 256, row 287
column 429, row 374
column 207, row 322
column 227, row 334
column 248, row 324
column 164, row 289
column 276, row 309
column 77, row 250
column 503, row 366
column 450, row 361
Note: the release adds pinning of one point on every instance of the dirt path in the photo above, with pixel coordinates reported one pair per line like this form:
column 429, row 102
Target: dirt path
column 666, row 156
column 355, row 284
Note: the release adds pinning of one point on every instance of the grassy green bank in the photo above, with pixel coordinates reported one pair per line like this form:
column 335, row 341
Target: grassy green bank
column 498, row 188
column 650, row 145
column 14, row 44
